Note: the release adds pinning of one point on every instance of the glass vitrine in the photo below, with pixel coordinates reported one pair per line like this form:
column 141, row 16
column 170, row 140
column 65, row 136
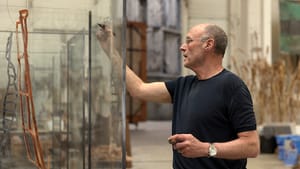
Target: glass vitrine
column 77, row 90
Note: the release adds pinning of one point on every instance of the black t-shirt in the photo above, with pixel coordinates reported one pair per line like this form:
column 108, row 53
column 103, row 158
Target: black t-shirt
column 213, row 110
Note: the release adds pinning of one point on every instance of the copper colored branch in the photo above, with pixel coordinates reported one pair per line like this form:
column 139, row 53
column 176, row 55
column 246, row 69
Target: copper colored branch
column 29, row 124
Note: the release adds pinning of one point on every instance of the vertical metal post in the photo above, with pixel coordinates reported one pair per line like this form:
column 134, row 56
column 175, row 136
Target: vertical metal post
column 68, row 105
column 124, row 24
column 90, row 91
column 83, row 130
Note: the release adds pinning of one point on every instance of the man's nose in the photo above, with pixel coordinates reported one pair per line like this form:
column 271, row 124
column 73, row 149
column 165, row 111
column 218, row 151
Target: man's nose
column 183, row 47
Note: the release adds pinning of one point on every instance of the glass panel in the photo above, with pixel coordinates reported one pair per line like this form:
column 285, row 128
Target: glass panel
column 107, row 89
column 78, row 108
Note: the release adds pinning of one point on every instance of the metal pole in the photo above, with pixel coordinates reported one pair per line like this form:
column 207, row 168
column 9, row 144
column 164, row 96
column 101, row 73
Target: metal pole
column 90, row 91
column 124, row 24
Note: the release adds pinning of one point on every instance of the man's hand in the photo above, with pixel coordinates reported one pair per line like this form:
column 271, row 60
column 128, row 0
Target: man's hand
column 105, row 37
column 189, row 146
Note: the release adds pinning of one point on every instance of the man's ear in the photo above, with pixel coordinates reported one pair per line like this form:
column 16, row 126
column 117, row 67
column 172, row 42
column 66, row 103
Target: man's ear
column 209, row 44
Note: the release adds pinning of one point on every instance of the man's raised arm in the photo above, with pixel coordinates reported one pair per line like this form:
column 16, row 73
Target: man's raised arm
column 155, row 91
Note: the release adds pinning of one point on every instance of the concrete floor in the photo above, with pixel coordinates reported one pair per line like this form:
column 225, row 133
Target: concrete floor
column 150, row 149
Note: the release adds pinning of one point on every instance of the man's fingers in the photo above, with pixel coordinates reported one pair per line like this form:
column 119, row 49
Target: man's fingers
column 177, row 138
column 171, row 141
column 105, row 29
column 102, row 26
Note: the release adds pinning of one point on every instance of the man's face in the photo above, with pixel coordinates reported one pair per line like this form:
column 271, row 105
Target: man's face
column 193, row 48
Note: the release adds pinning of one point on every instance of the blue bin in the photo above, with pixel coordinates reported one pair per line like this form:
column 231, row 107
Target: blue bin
column 281, row 152
column 290, row 157
column 281, row 138
column 295, row 141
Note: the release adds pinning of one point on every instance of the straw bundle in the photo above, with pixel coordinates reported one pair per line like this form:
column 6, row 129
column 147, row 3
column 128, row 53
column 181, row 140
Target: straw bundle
column 274, row 88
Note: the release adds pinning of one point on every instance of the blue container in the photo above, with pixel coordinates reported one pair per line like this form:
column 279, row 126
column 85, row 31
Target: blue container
column 281, row 152
column 295, row 141
column 290, row 157
column 281, row 138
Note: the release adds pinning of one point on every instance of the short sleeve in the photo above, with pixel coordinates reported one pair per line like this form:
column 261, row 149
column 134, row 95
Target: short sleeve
column 171, row 85
column 241, row 110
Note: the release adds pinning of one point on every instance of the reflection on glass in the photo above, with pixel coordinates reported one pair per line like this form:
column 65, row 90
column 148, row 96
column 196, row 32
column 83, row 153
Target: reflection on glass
column 58, row 43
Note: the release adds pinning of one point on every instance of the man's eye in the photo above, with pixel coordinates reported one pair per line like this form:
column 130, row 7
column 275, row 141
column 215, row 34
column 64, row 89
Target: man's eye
column 187, row 41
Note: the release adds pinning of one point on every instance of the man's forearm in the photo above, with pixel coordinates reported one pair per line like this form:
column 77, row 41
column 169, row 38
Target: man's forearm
column 133, row 82
column 242, row 147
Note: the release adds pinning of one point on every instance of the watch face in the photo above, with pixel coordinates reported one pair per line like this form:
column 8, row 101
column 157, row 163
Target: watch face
column 212, row 150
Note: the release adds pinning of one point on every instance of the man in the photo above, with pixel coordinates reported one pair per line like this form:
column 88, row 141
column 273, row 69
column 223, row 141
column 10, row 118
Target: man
column 213, row 124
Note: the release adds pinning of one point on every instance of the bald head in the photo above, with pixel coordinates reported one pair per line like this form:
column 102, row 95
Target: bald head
column 215, row 32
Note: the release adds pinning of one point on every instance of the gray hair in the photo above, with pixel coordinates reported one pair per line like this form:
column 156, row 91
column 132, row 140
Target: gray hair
column 219, row 36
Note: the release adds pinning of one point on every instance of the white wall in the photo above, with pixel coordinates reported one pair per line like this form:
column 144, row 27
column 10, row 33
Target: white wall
column 205, row 11
column 248, row 24
column 250, row 28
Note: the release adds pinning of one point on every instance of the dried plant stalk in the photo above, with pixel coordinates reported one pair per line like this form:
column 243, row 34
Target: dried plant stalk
column 274, row 88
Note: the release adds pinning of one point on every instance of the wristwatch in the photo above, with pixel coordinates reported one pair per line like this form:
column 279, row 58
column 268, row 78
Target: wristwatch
column 212, row 150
